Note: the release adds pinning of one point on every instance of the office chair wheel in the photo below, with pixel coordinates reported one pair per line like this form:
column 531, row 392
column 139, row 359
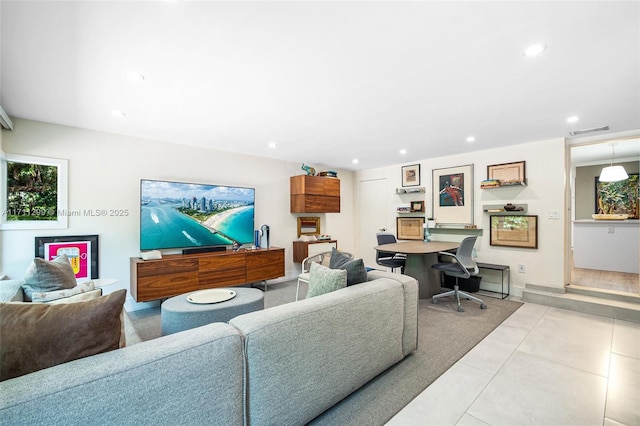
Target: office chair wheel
column 460, row 309
column 483, row 306
column 434, row 301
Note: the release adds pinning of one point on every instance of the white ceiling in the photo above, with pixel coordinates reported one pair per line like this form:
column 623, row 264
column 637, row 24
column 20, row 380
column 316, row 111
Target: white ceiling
column 327, row 81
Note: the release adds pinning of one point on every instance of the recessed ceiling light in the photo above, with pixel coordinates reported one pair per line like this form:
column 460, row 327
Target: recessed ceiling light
column 471, row 139
column 354, row 161
column 534, row 49
column 573, row 119
column 135, row 76
column 272, row 145
column 118, row 114
column 403, row 151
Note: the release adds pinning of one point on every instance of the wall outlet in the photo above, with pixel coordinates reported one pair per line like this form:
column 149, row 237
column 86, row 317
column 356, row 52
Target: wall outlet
column 611, row 229
column 521, row 269
column 554, row 215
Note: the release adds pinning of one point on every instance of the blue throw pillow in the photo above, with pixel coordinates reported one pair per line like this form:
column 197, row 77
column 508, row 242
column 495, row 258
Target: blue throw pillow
column 356, row 272
column 338, row 259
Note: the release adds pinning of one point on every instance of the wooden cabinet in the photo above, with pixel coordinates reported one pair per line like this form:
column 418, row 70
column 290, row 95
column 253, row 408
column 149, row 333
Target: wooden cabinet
column 265, row 265
column 304, row 249
column 314, row 194
column 181, row 273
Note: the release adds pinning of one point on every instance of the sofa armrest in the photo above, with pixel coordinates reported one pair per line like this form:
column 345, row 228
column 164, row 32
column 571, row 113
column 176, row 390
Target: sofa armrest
column 11, row 291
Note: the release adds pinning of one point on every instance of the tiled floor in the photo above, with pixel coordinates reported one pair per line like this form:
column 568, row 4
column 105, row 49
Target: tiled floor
column 542, row 366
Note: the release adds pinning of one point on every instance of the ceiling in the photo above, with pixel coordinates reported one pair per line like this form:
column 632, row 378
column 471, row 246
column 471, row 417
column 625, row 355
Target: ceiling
column 327, row 82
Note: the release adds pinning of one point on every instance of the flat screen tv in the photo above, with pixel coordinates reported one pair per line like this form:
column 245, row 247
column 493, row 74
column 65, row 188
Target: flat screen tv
column 182, row 215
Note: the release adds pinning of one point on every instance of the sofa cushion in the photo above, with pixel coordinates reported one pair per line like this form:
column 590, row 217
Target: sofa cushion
column 49, row 296
column 356, row 272
column 94, row 294
column 45, row 276
column 40, row 335
column 338, row 259
column 325, row 280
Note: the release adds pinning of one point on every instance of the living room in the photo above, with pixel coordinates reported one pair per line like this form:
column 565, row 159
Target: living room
column 105, row 172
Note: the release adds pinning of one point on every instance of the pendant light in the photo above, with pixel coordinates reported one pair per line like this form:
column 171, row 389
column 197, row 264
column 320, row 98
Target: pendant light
column 613, row 173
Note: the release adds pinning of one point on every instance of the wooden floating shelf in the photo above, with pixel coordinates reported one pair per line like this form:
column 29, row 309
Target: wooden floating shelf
column 499, row 209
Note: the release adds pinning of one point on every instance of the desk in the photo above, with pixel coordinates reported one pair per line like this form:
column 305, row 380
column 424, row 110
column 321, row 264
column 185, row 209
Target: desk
column 420, row 256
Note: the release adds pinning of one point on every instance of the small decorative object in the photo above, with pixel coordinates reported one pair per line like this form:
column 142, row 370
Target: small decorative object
column 404, row 209
column 489, row 183
column 613, row 216
column 309, row 170
column 509, row 207
column 417, row 206
column 328, row 173
column 411, row 175
column 427, row 234
column 431, row 222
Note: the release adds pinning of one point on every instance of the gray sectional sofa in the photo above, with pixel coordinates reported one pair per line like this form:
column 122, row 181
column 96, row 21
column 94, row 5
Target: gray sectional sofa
column 284, row 365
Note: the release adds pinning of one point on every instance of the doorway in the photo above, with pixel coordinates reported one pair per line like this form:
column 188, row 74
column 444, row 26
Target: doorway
column 604, row 253
column 373, row 216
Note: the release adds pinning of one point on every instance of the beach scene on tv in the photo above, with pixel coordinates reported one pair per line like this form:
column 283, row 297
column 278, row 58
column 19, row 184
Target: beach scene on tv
column 176, row 215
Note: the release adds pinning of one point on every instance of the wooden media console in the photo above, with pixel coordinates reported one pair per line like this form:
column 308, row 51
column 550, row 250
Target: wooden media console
column 181, row 273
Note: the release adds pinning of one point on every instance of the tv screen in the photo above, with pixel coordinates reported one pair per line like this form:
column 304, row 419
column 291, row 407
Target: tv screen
column 181, row 215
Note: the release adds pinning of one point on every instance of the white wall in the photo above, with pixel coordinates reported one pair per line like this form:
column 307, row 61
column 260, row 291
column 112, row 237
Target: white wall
column 545, row 193
column 105, row 172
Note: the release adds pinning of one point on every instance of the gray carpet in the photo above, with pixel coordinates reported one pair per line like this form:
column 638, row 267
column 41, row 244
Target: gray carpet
column 444, row 336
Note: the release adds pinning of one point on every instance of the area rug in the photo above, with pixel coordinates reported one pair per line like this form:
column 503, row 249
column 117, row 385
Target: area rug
column 444, row 336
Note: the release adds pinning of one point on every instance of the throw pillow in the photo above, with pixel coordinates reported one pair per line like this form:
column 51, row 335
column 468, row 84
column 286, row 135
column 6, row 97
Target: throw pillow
column 338, row 259
column 93, row 294
column 60, row 294
column 356, row 272
column 324, row 280
column 45, row 276
column 40, row 335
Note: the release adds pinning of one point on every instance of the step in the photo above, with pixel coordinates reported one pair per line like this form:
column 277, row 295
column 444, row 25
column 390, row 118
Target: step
column 586, row 301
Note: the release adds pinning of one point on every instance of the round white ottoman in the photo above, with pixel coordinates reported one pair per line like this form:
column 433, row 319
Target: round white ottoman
column 178, row 314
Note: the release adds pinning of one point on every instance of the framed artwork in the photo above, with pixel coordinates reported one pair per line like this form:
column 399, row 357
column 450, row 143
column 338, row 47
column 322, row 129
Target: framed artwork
column 453, row 195
column 33, row 193
column 410, row 228
column 82, row 251
column 618, row 197
column 417, row 206
column 507, row 173
column 411, row 175
column 514, row 231
column 308, row 226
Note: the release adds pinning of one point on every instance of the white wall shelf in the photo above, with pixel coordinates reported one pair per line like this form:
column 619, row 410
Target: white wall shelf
column 410, row 190
column 456, row 231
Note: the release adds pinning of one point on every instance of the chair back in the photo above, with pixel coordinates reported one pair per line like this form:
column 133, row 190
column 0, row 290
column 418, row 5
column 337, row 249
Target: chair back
column 464, row 255
column 385, row 238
